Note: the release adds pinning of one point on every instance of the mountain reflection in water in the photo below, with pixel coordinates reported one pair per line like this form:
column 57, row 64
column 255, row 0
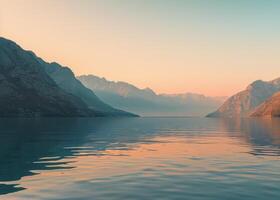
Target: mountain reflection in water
column 139, row 158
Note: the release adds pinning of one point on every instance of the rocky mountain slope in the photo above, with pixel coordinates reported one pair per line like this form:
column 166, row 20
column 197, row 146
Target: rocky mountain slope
column 269, row 108
column 244, row 102
column 146, row 102
column 30, row 86
column 66, row 79
column 27, row 90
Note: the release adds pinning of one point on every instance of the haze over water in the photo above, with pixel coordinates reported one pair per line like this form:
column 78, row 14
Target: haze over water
column 139, row 158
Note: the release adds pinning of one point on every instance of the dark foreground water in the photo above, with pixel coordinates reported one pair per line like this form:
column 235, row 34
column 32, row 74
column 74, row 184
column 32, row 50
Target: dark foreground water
column 139, row 158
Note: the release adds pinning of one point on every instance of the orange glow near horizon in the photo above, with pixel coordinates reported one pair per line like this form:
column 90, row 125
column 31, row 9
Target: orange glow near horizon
column 171, row 47
column 164, row 153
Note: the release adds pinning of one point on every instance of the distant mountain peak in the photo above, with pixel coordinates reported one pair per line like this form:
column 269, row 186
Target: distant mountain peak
column 118, row 87
column 275, row 81
column 257, row 83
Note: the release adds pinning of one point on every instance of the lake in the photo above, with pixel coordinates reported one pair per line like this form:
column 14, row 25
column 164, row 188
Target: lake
column 139, row 158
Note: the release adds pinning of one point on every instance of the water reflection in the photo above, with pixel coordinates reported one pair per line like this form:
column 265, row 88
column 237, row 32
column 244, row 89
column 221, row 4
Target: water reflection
column 262, row 134
column 82, row 156
column 24, row 142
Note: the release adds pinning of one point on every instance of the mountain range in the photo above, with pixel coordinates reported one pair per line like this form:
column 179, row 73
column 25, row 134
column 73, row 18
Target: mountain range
column 260, row 98
column 146, row 102
column 29, row 86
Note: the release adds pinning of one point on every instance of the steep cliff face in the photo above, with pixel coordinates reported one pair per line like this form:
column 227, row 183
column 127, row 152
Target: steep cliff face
column 27, row 90
column 244, row 102
column 269, row 108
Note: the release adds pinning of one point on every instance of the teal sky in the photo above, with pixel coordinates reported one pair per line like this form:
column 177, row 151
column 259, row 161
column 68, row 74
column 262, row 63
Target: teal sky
column 215, row 47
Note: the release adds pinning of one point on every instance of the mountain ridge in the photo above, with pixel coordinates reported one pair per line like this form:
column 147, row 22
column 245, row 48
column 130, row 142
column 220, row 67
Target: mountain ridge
column 27, row 90
column 147, row 102
column 48, row 85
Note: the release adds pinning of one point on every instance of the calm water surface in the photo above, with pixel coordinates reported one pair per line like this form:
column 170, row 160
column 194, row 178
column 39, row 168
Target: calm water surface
column 139, row 158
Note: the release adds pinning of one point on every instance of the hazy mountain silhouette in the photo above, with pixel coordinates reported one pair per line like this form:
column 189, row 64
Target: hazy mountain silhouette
column 146, row 102
column 244, row 102
column 31, row 87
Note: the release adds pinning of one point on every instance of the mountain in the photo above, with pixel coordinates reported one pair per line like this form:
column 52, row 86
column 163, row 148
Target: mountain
column 146, row 102
column 269, row 108
column 27, row 90
column 30, row 86
column 244, row 102
column 66, row 79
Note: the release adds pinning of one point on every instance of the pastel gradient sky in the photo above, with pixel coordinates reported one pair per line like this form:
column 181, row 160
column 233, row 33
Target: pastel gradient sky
column 215, row 47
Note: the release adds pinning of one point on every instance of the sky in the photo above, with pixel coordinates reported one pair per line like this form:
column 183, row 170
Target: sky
column 213, row 47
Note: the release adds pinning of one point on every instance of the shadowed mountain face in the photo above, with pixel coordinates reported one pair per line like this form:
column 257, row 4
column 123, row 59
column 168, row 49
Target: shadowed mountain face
column 27, row 90
column 270, row 108
column 31, row 87
column 65, row 78
column 244, row 102
column 146, row 102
